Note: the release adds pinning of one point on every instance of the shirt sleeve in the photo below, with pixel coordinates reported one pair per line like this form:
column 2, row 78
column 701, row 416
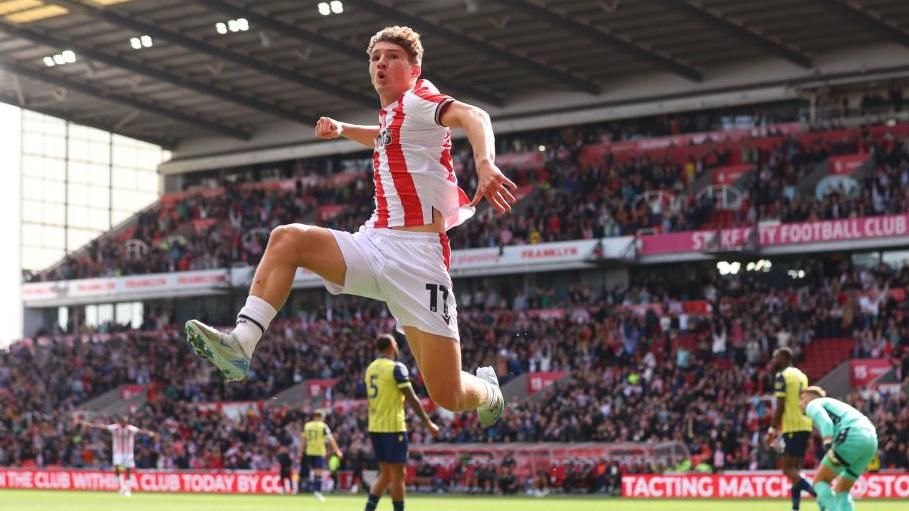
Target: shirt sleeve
column 112, row 427
column 132, row 428
column 402, row 376
column 424, row 104
column 779, row 385
column 327, row 430
column 815, row 411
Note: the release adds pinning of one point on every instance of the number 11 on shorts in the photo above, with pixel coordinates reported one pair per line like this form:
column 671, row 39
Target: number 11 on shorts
column 434, row 300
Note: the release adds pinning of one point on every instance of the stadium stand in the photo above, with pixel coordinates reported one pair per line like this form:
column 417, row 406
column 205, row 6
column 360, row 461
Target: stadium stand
column 632, row 339
column 688, row 367
column 663, row 355
column 624, row 192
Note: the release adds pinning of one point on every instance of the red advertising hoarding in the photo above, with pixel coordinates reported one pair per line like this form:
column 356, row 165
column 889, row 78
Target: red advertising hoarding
column 317, row 387
column 171, row 482
column 750, row 485
column 887, row 485
column 131, row 390
column 529, row 160
column 865, row 371
column 539, row 381
column 779, row 234
column 730, row 174
column 846, row 165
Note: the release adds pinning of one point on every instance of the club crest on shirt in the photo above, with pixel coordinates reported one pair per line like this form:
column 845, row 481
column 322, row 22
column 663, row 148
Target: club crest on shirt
column 383, row 139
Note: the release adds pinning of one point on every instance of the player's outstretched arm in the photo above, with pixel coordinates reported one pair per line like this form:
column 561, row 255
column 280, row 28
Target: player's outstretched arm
column 815, row 412
column 334, row 446
column 91, row 425
column 330, row 129
column 411, row 397
column 823, row 423
column 148, row 432
column 492, row 184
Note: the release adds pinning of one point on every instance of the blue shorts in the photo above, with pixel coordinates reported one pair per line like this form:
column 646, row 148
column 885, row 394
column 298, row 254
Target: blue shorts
column 389, row 447
column 795, row 444
column 314, row 461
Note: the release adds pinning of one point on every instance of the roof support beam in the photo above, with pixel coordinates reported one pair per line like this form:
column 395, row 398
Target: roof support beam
column 149, row 70
column 19, row 94
column 62, row 114
column 868, row 19
column 599, row 36
column 301, row 33
column 477, row 45
column 196, row 45
column 124, row 99
column 734, row 28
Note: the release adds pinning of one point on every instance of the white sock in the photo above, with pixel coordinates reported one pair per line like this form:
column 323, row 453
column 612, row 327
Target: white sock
column 490, row 391
column 252, row 322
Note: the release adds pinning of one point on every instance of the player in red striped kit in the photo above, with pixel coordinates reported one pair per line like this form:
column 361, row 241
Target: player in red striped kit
column 401, row 254
column 124, row 443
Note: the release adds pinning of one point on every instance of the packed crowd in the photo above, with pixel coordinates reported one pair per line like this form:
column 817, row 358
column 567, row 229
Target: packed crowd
column 580, row 199
column 639, row 355
column 569, row 197
column 882, row 191
column 890, row 415
column 476, row 475
column 704, row 381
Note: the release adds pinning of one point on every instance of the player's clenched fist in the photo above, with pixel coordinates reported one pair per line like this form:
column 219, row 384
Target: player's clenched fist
column 433, row 429
column 328, row 128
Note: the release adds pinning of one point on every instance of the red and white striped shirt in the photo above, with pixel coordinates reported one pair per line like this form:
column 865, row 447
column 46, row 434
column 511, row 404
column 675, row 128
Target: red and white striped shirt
column 413, row 171
column 124, row 439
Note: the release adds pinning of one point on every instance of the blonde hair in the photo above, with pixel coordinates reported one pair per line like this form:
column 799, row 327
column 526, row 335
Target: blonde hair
column 817, row 391
column 405, row 37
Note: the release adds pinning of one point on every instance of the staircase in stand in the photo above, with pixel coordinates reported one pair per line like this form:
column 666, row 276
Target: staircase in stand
column 823, row 355
column 720, row 220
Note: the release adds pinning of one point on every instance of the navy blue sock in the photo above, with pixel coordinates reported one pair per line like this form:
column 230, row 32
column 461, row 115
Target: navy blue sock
column 398, row 504
column 317, row 484
column 796, row 495
column 805, row 485
column 372, row 502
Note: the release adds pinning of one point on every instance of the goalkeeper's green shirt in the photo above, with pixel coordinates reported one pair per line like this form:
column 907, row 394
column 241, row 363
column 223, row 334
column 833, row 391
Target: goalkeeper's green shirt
column 832, row 416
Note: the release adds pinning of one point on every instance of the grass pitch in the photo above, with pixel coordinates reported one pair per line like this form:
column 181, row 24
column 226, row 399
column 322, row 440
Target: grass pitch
column 23, row 500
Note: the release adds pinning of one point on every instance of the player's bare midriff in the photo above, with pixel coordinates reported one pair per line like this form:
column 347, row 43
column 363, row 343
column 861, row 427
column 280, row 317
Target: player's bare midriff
column 437, row 225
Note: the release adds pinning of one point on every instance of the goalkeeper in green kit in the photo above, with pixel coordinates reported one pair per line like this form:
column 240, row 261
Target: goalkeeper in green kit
column 850, row 441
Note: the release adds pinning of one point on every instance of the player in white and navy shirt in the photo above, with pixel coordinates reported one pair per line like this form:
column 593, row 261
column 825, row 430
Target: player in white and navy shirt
column 123, row 435
column 401, row 254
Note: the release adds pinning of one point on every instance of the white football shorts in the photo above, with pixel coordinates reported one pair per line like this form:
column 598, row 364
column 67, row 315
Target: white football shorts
column 124, row 460
column 406, row 270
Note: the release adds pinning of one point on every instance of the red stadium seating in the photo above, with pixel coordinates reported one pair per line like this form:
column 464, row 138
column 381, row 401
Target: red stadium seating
column 823, row 355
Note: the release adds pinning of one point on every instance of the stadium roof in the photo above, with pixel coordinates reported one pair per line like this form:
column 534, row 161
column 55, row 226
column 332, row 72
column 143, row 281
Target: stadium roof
column 229, row 67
